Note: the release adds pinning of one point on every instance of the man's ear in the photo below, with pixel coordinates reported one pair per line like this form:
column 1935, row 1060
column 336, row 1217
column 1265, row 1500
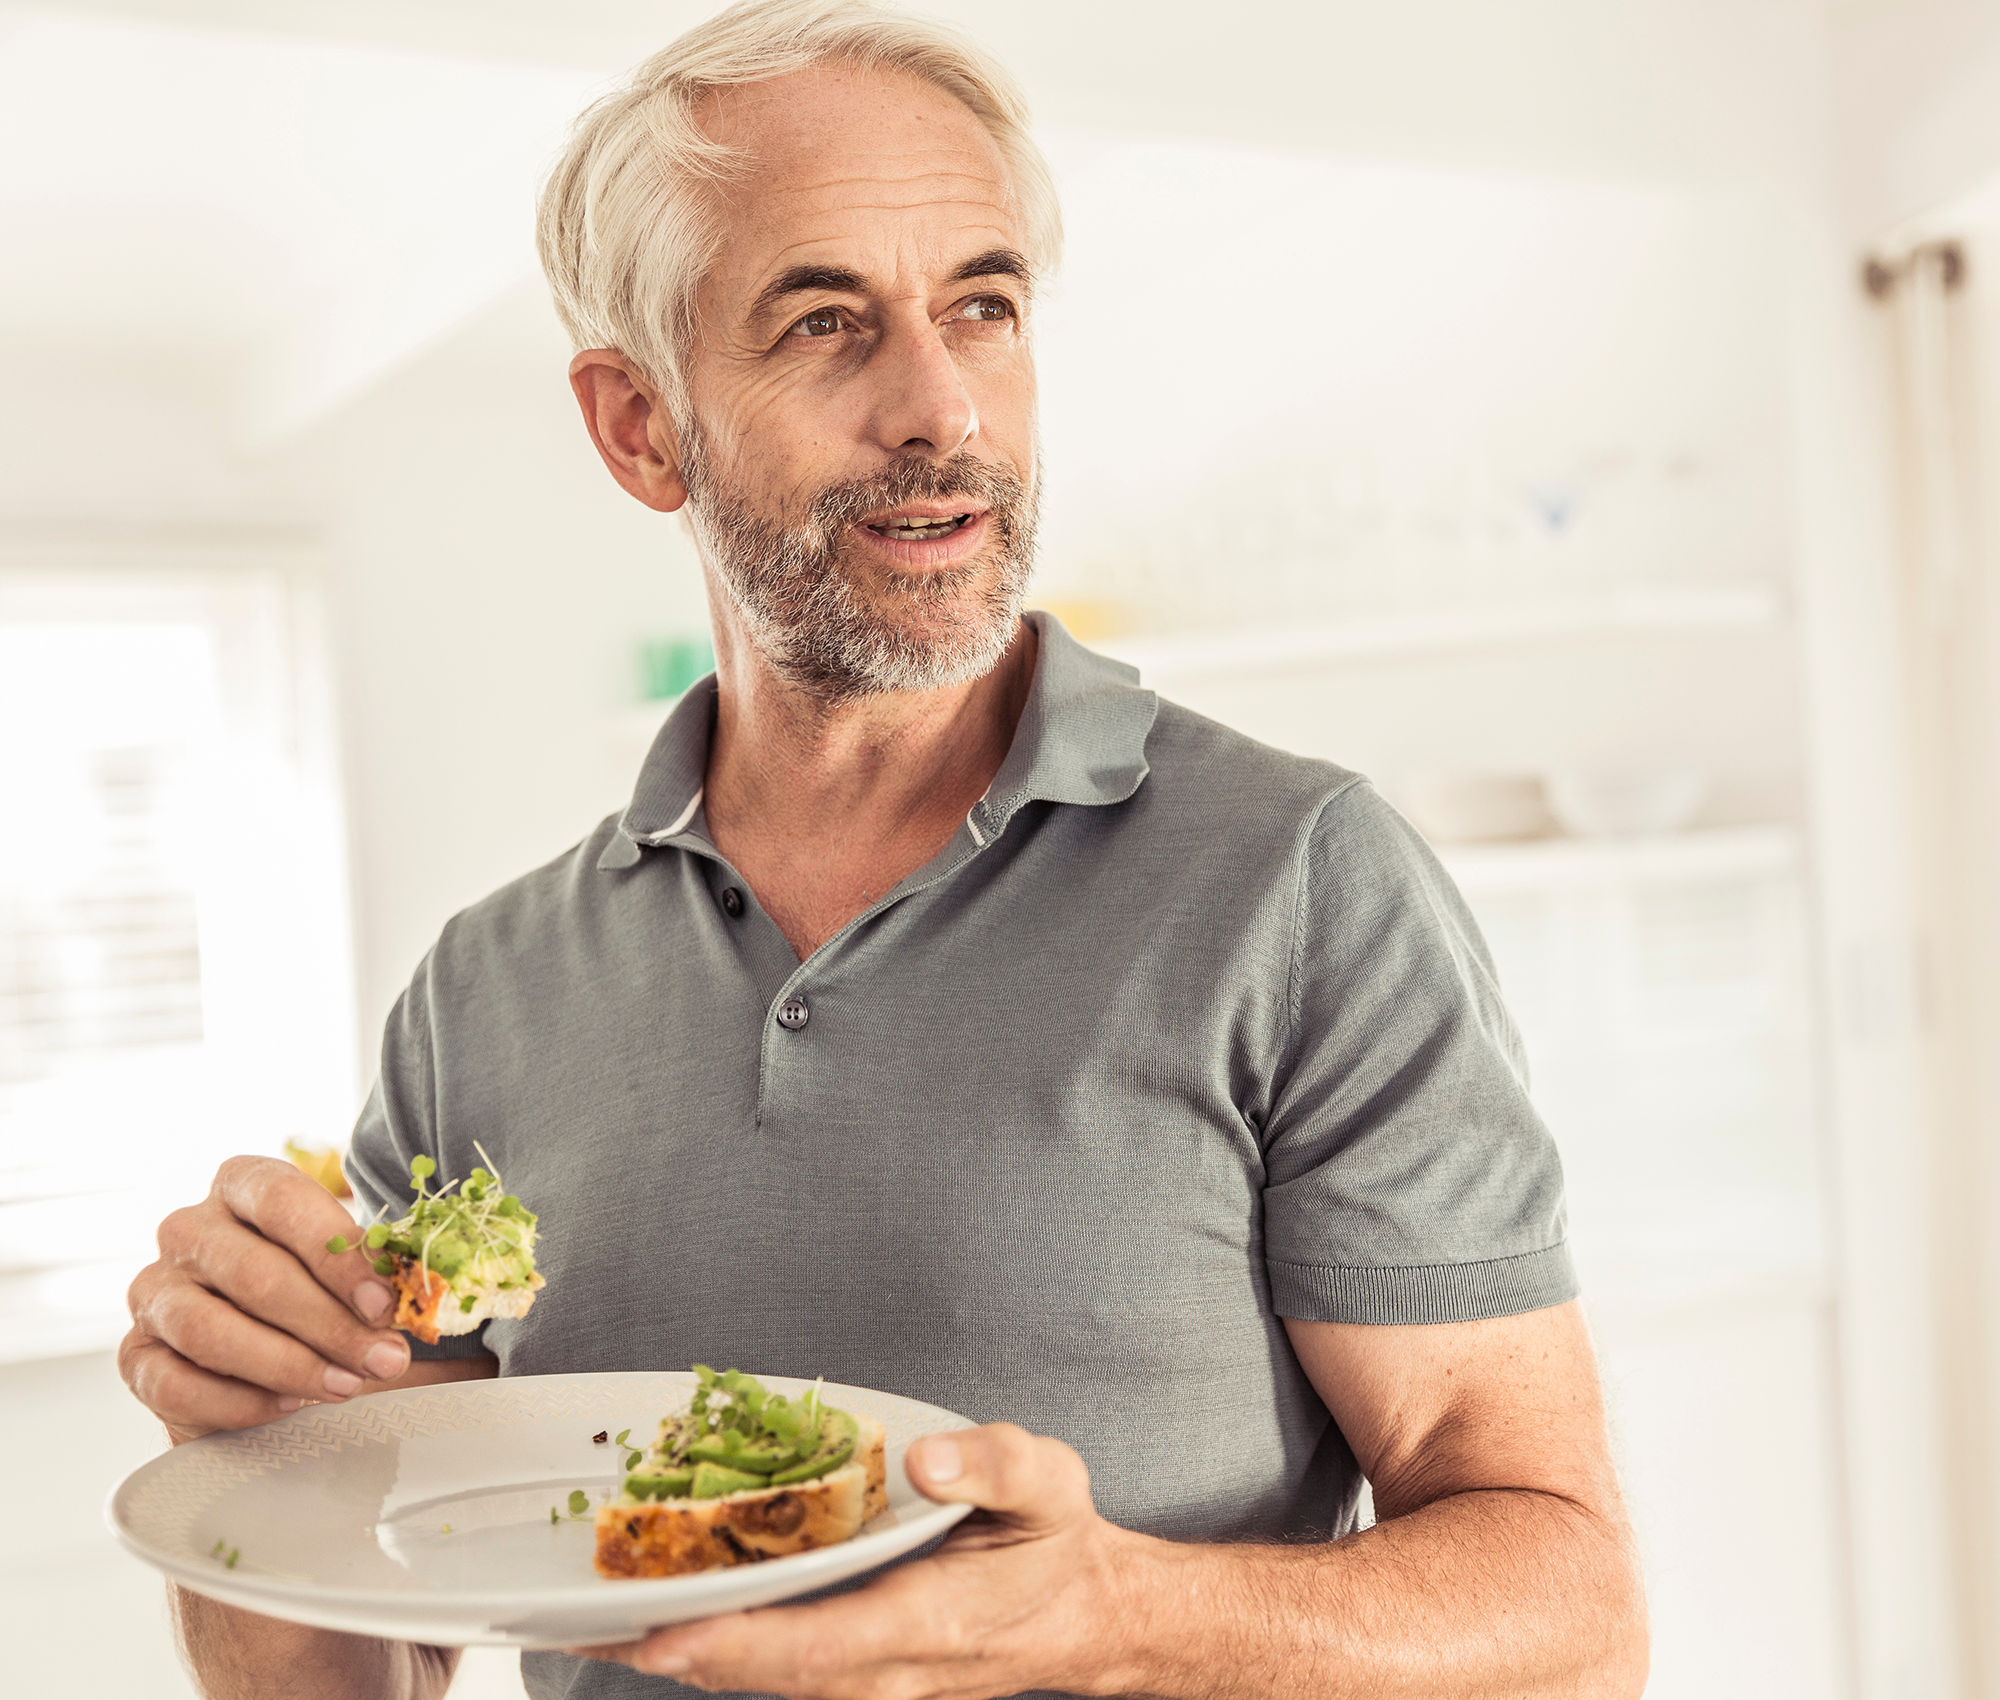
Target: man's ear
column 632, row 430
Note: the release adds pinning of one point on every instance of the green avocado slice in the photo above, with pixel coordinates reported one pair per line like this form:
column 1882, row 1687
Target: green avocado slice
column 662, row 1484
column 838, row 1436
column 733, row 1452
column 712, row 1481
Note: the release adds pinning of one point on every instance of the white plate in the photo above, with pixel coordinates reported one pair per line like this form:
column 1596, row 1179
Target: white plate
column 339, row 1513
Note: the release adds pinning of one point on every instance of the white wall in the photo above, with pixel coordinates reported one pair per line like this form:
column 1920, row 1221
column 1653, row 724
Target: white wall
column 490, row 585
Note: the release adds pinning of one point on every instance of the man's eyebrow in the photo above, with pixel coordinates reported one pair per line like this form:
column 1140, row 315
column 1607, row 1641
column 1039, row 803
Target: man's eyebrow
column 803, row 280
column 995, row 262
column 843, row 280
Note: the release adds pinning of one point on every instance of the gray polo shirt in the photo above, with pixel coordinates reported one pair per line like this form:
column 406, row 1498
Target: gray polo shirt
column 1179, row 1035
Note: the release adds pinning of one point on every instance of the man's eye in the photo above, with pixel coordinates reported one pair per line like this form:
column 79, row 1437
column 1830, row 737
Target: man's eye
column 986, row 307
column 823, row 322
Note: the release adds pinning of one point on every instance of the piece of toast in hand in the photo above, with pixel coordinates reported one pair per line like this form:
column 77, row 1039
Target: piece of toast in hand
column 428, row 1305
column 678, row 1537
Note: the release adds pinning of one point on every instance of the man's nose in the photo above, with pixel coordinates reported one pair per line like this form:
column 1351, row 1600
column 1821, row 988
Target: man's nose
column 921, row 401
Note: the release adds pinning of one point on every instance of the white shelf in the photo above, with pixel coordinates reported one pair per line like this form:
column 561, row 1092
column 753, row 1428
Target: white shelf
column 1719, row 853
column 1634, row 610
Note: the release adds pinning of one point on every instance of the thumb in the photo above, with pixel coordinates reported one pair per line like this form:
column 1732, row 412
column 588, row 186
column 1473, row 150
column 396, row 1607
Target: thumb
column 1027, row 1480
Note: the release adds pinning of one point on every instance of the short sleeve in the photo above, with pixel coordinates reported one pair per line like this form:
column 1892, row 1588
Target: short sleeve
column 398, row 1122
column 1408, row 1179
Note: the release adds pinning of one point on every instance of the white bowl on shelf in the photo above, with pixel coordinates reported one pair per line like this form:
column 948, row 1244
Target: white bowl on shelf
column 1627, row 803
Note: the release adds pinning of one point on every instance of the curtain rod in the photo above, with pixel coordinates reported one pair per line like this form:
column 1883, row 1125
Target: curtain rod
column 1880, row 276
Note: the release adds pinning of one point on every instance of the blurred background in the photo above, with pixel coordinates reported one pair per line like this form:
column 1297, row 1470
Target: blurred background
column 1578, row 414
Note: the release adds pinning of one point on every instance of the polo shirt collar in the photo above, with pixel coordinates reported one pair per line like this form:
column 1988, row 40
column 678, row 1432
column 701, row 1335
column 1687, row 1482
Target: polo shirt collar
column 1081, row 739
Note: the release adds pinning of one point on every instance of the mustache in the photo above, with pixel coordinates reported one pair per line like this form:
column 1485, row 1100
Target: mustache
column 834, row 507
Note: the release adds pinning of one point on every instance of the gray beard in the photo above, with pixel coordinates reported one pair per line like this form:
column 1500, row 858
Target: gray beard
column 818, row 630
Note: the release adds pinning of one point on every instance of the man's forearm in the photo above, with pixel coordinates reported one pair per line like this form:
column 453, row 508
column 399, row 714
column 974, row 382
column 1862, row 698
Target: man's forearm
column 1488, row 1593
column 238, row 1655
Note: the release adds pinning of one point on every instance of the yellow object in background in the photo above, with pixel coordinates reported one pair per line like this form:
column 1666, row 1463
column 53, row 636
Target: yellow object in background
column 323, row 1166
column 1086, row 620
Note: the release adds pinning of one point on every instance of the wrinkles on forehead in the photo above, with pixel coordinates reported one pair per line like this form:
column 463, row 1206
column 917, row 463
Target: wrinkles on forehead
column 876, row 171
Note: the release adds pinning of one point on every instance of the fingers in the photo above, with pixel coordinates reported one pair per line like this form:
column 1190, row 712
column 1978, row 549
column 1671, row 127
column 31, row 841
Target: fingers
column 979, row 1616
column 312, row 1350
column 831, row 1650
column 268, row 1283
column 189, row 1400
column 247, row 1314
column 1027, row 1480
column 292, row 1211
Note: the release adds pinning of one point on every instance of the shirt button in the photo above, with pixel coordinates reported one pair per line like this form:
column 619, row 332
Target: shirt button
column 732, row 902
column 793, row 1014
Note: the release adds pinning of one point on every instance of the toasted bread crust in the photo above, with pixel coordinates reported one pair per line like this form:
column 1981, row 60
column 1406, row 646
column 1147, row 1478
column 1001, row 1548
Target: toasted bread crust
column 419, row 1293
column 678, row 1537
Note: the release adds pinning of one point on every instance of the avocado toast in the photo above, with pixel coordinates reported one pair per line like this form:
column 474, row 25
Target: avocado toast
column 742, row 1476
column 461, row 1255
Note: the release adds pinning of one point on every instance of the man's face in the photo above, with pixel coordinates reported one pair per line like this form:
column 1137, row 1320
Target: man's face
column 860, row 461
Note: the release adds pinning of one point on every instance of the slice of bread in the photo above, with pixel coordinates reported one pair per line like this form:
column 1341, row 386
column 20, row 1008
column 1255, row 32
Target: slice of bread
column 427, row 1305
column 677, row 1537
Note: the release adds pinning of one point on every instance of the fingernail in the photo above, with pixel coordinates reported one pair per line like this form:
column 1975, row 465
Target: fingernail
column 371, row 1298
column 386, row 1360
column 288, row 1403
column 941, row 1460
column 341, row 1382
column 667, row 1664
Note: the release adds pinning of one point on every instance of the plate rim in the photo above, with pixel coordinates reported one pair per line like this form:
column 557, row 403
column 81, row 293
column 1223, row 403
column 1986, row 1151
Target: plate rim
column 934, row 1518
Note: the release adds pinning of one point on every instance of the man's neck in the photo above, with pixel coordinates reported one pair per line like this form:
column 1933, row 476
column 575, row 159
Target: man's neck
column 825, row 807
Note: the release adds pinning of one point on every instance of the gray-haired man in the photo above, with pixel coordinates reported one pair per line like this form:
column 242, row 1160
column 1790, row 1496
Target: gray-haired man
column 947, row 1015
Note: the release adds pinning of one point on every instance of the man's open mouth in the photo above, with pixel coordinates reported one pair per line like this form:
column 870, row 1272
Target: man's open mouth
column 920, row 528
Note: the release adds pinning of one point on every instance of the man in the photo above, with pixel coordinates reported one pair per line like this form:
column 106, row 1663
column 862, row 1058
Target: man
column 947, row 1015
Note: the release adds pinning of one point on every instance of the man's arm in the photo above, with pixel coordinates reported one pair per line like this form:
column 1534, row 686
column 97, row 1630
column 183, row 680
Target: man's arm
column 1501, row 1561
column 1502, row 1564
column 246, row 1315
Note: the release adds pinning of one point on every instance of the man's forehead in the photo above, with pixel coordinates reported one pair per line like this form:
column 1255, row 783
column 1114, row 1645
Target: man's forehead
column 842, row 161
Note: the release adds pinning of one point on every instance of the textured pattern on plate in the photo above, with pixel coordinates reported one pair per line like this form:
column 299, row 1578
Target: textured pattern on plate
column 163, row 1509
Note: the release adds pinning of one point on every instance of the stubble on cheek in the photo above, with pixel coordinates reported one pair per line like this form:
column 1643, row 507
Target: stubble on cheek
column 840, row 626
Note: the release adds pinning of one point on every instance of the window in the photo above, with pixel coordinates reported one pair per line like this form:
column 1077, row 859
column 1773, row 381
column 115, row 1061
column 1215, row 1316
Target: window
column 175, row 975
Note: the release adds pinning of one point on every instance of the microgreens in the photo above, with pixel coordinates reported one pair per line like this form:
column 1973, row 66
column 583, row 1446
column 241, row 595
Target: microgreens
column 740, row 1411
column 451, row 1227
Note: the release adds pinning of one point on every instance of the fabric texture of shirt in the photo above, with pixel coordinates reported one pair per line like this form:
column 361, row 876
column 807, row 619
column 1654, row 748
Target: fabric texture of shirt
column 1177, row 1037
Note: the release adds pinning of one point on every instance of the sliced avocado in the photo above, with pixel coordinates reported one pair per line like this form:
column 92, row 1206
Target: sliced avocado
column 712, row 1481
column 838, row 1435
column 449, row 1254
column 733, row 1452
column 661, row 1484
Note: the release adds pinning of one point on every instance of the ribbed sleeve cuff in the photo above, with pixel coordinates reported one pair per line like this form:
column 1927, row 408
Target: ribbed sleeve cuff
column 1437, row 1292
column 471, row 1345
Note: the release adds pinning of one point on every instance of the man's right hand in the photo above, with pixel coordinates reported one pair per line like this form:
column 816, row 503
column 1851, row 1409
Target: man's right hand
column 247, row 1315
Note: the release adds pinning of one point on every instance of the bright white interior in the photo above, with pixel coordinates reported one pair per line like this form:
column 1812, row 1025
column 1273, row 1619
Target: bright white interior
column 1458, row 388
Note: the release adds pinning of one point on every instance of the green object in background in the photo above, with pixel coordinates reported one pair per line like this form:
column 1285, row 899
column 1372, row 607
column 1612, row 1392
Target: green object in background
column 667, row 666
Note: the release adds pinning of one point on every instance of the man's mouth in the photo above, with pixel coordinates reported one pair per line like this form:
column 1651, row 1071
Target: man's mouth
column 919, row 528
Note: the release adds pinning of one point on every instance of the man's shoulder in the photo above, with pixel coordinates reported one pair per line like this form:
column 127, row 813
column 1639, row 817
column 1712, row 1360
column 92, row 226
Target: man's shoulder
column 1200, row 764
column 511, row 917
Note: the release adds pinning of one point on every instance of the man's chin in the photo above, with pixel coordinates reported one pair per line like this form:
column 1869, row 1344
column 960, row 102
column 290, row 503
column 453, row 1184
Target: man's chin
column 890, row 648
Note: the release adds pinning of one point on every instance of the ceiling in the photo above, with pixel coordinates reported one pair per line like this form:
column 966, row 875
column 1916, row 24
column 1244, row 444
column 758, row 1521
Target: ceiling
column 304, row 192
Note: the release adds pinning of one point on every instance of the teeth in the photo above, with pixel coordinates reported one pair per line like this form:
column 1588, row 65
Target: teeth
column 920, row 527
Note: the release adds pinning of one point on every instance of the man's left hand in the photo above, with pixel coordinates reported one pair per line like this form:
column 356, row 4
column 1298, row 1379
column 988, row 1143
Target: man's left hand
column 1025, row 1593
